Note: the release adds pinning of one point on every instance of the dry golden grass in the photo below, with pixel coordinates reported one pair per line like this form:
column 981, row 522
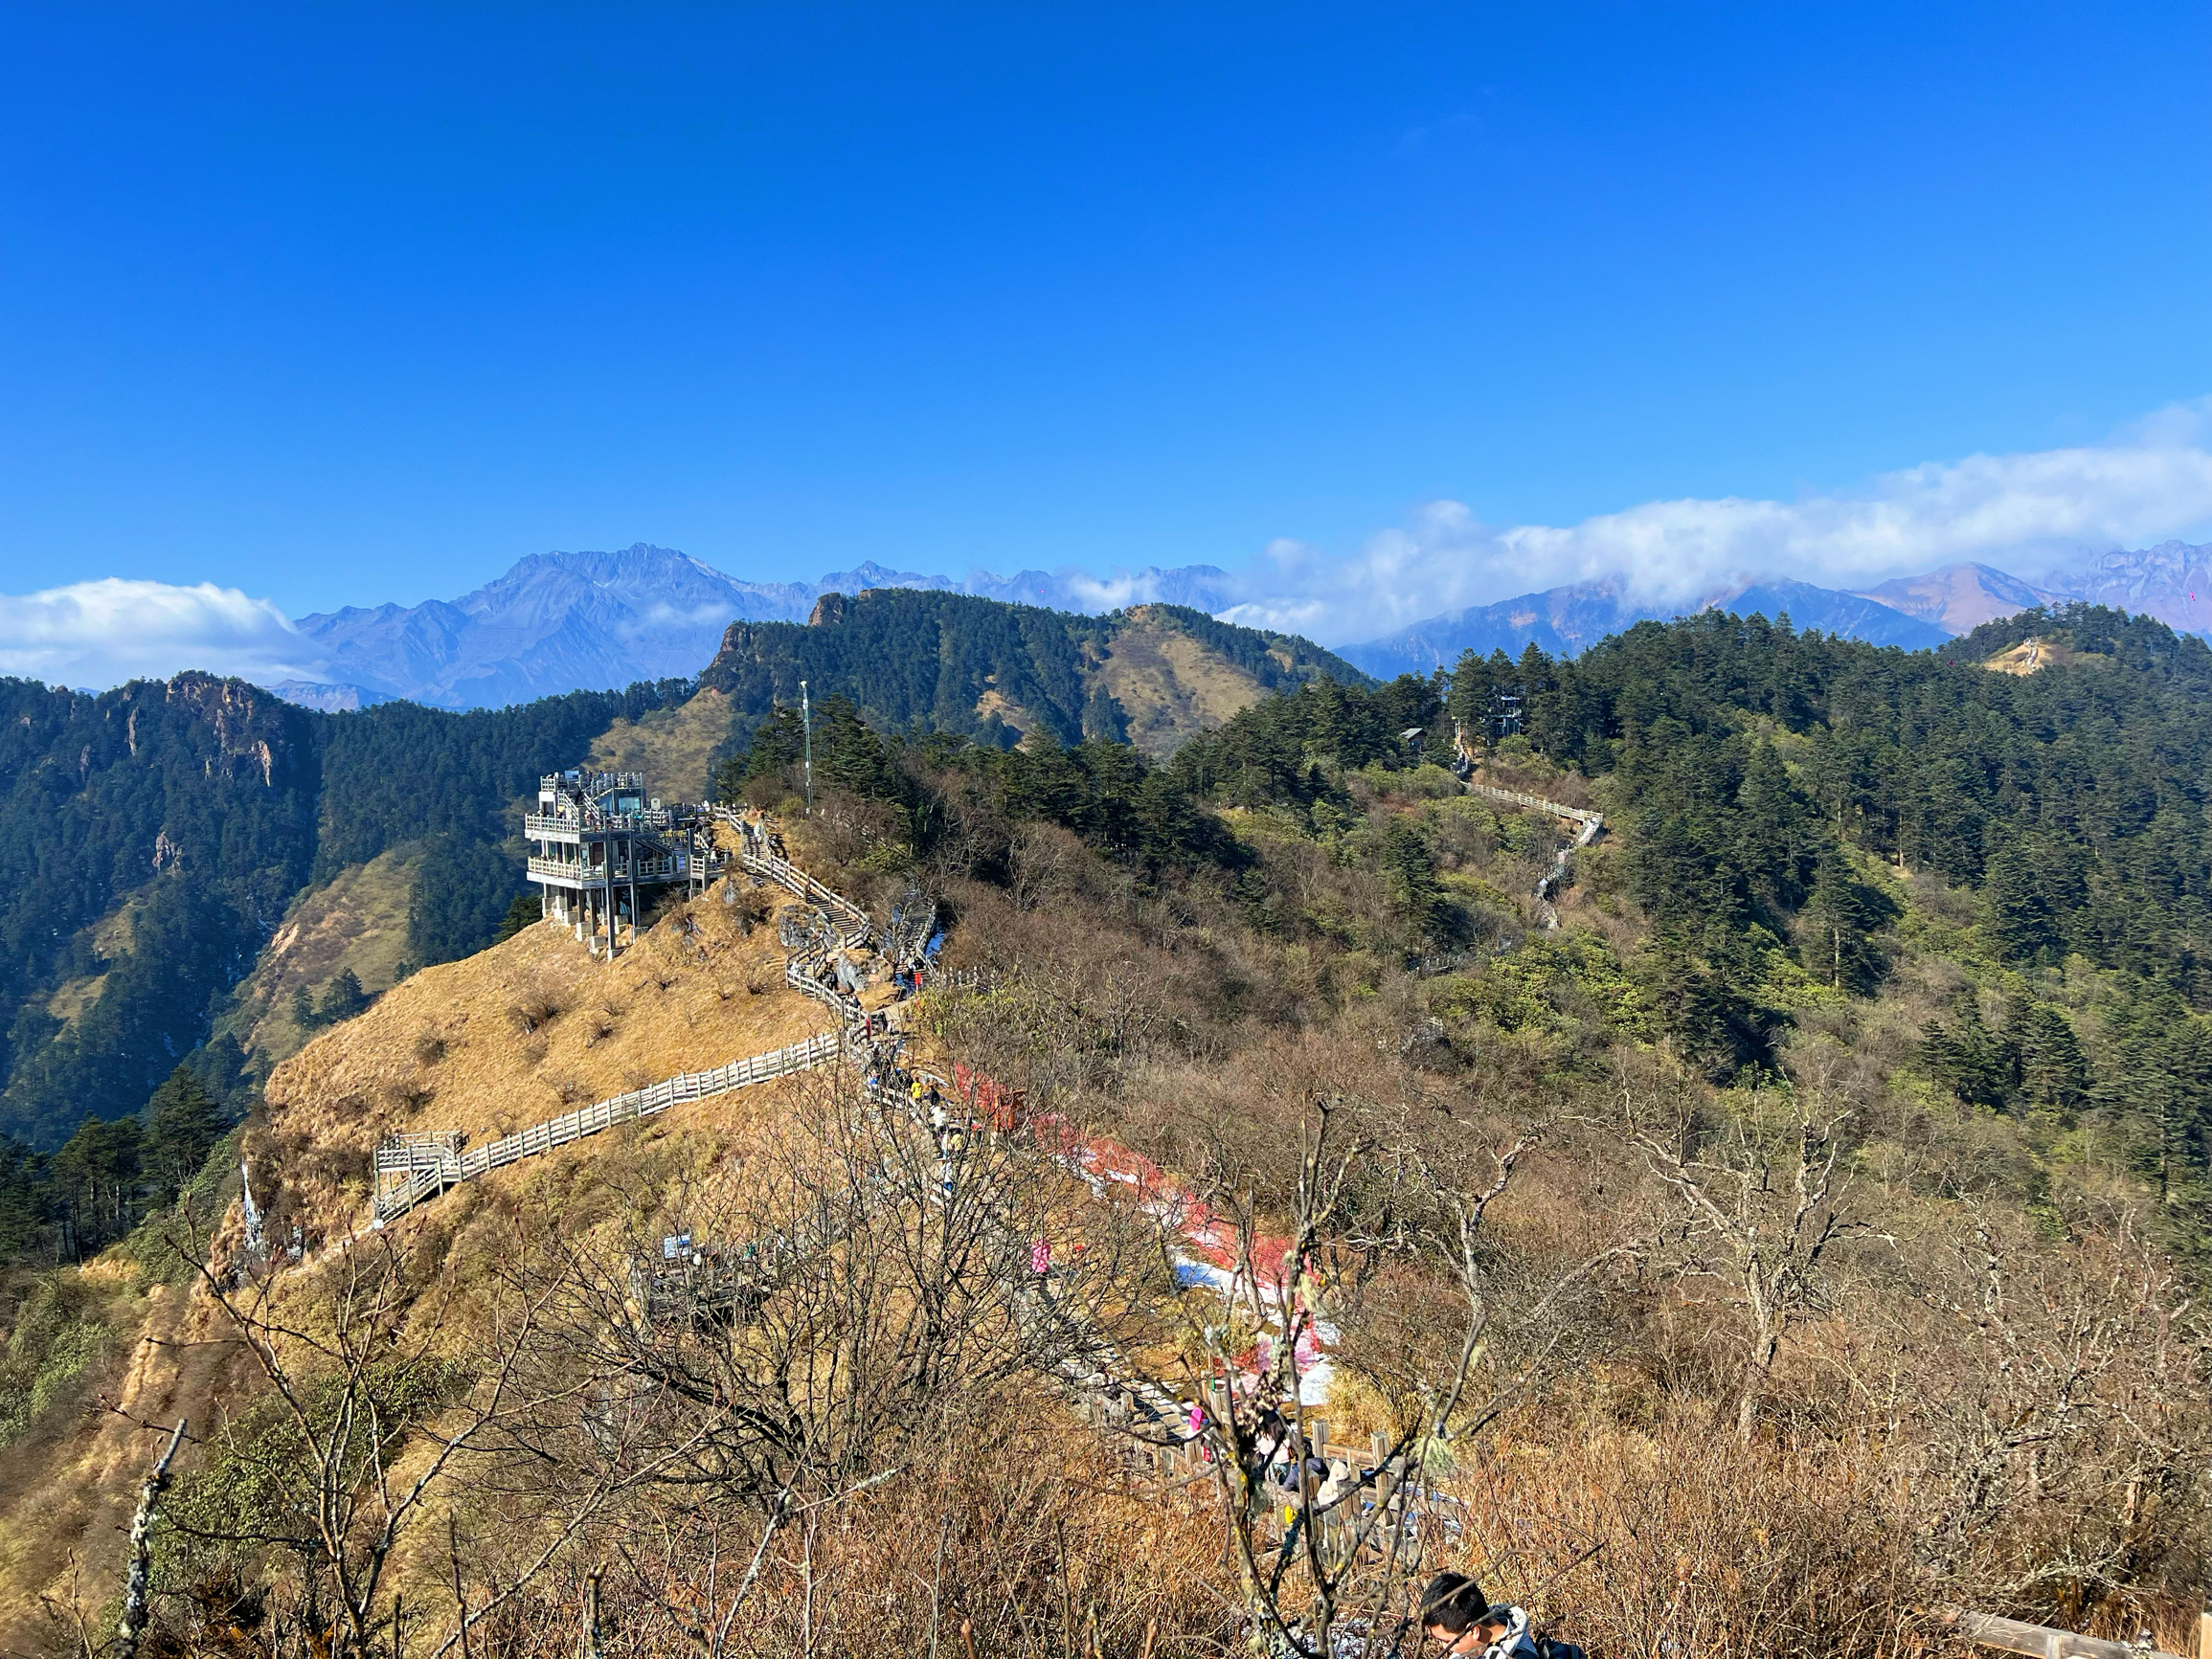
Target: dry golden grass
column 521, row 1033
column 67, row 1492
column 356, row 920
column 446, row 1049
column 672, row 746
column 2032, row 655
column 993, row 700
column 74, row 997
column 1170, row 685
column 114, row 935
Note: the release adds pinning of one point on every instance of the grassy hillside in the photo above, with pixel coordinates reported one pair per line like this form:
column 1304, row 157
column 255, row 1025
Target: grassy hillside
column 355, row 923
column 510, row 1036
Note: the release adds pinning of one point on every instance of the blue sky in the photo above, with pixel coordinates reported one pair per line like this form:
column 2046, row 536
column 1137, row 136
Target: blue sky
column 350, row 304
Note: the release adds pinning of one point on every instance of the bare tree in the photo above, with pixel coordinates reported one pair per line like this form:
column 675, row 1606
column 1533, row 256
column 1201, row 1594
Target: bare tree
column 1758, row 1209
column 811, row 1321
column 2068, row 1437
column 376, row 1411
column 1361, row 1203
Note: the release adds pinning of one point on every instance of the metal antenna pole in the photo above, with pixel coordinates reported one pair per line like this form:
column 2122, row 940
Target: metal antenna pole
column 806, row 720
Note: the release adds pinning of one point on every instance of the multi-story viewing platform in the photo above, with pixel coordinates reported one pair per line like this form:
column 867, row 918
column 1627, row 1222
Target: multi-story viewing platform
column 599, row 846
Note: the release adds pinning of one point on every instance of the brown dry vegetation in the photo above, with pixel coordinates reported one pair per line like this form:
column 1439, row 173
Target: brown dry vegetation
column 1169, row 685
column 2031, row 656
column 1978, row 1377
column 517, row 1034
column 66, row 1487
column 441, row 1050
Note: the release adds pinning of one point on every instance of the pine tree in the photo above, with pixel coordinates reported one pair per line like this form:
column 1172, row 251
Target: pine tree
column 96, row 1175
column 1471, row 699
column 523, row 914
column 1411, row 870
column 2023, row 921
column 342, row 999
column 2052, row 1071
column 1972, row 1061
column 1836, row 927
column 779, row 742
column 183, row 1124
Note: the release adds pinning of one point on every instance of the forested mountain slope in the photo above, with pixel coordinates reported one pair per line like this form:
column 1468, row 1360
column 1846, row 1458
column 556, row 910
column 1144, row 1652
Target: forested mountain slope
column 161, row 836
column 1794, row 816
column 155, row 838
column 998, row 672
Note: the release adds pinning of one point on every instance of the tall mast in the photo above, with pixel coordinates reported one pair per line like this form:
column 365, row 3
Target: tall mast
column 806, row 720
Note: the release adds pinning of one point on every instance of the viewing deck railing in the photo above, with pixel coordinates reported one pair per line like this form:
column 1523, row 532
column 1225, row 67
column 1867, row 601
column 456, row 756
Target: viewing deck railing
column 563, row 826
column 669, row 867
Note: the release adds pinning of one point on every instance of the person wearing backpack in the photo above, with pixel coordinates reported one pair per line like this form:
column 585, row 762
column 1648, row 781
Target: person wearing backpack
column 1454, row 1611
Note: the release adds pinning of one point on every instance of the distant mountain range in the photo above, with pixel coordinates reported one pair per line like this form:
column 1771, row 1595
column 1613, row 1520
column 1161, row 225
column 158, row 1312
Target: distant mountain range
column 2171, row 582
column 1567, row 621
column 1959, row 598
column 565, row 621
column 562, row 622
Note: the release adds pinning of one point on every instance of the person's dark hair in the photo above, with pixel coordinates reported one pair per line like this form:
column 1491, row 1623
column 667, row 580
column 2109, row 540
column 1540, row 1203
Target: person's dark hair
column 1453, row 1602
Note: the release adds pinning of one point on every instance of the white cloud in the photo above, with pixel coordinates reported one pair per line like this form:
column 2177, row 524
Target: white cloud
column 2027, row 513
column 100, row 634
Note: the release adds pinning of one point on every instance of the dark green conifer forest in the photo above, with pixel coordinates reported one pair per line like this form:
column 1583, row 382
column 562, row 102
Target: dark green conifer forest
column 151, row 838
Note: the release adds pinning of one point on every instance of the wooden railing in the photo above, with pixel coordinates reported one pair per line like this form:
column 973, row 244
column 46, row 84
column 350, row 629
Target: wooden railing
column 436, row 1168
column 793, row 879
column 2012, row 1636
column 1591, row 822
column 858, row 928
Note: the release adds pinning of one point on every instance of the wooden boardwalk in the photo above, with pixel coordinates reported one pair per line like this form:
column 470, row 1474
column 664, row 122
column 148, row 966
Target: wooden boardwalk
column 420, row 1167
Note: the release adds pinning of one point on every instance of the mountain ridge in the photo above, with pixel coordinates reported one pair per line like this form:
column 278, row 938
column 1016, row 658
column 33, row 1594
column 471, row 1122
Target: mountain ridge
column 559, row 621
column 1567, row 620
column 1001, row 672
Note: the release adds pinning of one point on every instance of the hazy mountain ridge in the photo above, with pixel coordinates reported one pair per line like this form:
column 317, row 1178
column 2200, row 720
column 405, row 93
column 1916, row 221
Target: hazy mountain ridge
column 563, row 621
column 1566, row 621
column 1959, row 598
column 329, row 699
column 2171, row 582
